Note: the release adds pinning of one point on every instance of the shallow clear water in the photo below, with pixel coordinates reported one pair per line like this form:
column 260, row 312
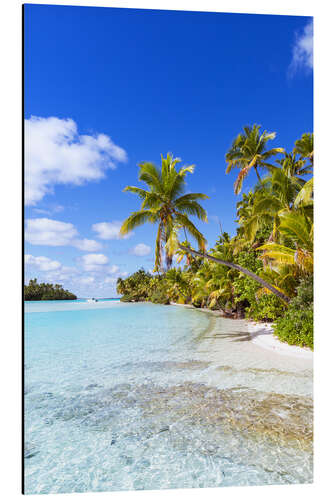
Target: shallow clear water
column 128, row 396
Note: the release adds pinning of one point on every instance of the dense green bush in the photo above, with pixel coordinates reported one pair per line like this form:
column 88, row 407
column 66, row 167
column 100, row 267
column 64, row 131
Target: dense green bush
column 159, row 297
column 296, row 327
column 267, row 308
column 127, row 298
column 304, row 297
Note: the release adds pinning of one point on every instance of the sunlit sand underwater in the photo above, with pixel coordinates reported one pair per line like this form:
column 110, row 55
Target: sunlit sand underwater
column 132, row 396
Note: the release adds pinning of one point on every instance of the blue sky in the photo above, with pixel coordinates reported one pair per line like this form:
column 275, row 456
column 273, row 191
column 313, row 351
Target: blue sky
column 108, row 88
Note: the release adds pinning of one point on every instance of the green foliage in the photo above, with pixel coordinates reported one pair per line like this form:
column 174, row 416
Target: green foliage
column 135, row 287
column 141, row 286
column 159, row 297
column 304, row 297
column 165, row 205
column 296, row 327
column 274, row 239
column 246, row 288
column 249, row 150
column 266, row 308
column 46, row 291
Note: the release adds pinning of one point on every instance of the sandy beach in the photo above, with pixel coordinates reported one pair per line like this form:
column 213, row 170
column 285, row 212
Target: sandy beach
column 261, row 335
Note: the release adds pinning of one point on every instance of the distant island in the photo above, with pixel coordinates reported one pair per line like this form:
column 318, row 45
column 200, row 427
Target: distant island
column 46, row 291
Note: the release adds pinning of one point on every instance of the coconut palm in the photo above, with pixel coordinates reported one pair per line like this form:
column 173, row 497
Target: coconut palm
column 298, row 228
column 191, row 263
column 304, row 147
column 178, row 285
column 249, row 150
column 165, row 204
column 285, row 278
column 277, row 193
column 292, row 166
column 241, row 269
column 305, row 196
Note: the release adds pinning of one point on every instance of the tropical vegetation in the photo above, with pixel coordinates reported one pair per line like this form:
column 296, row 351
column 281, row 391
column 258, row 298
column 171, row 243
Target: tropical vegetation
column 165, row 204
column 46, row 291
column 265, row 271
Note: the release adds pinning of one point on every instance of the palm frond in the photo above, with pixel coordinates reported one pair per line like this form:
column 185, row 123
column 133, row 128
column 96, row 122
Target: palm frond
column 197, row 235
column 305, row 196
column 142, row 193
column 279, row 253
column 298, row 227
column 136, row 219
column 151, row 175
column 192, row 208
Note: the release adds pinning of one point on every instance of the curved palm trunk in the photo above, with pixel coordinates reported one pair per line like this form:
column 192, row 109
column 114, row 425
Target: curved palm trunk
column 167, row 259
column 248, row 273
column 168, row 262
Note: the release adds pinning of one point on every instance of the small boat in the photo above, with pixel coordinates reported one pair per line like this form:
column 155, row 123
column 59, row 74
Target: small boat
column 92, row 300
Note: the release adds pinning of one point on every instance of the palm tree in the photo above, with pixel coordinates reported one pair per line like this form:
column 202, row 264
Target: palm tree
column 248, row 150
column 276, row 194
column 304, row 147
column 165, row 204
column 178, row 285
column 121, row 286
column 305, row 196
column 293, row 166
column 241, row 269
column 192, row 263
column 298, row 228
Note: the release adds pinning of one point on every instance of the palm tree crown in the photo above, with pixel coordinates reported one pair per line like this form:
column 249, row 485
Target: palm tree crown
column 165, row 204
column 304, row 147
column 248, row 150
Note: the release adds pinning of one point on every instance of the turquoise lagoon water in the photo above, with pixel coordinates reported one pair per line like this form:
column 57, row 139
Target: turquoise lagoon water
column 118, row 397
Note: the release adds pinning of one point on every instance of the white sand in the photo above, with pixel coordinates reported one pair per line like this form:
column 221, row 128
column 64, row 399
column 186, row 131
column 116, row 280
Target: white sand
column 262, row 336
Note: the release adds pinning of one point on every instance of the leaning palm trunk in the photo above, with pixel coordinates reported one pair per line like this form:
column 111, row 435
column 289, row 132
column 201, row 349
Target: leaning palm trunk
column 168, row 258
column 241, row 269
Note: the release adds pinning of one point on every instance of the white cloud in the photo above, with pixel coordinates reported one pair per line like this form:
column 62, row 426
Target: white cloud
column 141, row 250
column 93, row 261
column 110, row 280
column 56, row 233
column 113, row 269
column 86, row 280
column 42, row 211
column 93, row 276
column 303, row 50
column 56, row 154
column 52, row 210
column 109, row 230
column 54, row 271
column 49, row 232
column 64, row 274
column 42, row 263
column 86, row 245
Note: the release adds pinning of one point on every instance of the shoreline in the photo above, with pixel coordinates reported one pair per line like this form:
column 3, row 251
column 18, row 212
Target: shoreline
column 263, row 337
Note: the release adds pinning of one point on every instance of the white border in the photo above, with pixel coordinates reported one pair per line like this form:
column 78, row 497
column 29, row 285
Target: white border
column 10, row 198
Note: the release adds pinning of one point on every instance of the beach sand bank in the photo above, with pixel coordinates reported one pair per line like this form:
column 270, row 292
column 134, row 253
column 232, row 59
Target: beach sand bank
column 261, row 335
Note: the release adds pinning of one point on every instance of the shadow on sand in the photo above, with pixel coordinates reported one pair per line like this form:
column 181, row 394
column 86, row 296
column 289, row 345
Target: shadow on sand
column 239, row 336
